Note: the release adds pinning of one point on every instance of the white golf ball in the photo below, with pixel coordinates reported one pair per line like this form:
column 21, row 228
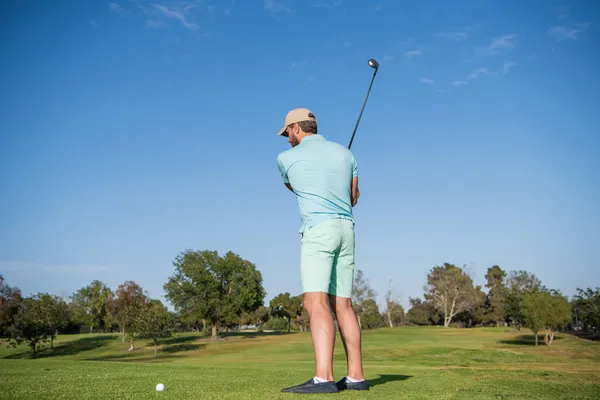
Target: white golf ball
column 160, row 387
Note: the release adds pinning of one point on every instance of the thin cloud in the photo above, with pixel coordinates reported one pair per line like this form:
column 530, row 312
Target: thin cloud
column 94, row 24
column 275, row 7
column 453, row 36
column 505, row 42
column 563, row 32
column 114, row 7
column 427, row 81
column 458, row 83
column 412, row 53
column 478, row 72
column 178, row 15
column 378, row 7
column 507, row 66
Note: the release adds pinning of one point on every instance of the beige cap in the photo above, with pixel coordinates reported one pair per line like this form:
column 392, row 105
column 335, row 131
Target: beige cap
column 297, row 115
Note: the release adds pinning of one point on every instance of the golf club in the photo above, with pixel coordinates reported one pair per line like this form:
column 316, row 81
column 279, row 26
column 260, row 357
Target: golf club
column 375, row 65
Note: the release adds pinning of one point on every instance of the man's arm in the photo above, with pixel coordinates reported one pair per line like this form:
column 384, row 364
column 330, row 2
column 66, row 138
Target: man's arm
column 355, row 193
column 283, row 172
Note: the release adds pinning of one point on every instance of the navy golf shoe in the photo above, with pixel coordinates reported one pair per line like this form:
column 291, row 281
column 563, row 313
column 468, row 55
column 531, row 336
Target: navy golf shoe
column 310, row 386
column 345, row 384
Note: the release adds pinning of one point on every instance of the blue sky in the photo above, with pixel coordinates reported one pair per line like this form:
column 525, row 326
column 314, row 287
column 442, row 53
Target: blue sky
column 133, row 130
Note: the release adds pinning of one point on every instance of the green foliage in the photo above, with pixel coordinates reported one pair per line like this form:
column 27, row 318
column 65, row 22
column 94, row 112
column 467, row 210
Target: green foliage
column 450, row 290
column 422, row 312
column 371, row 317
column 496, row 294
column 91, row 304
column 361, row 292
column 155, row 322
column 285, row 306
column 31, row 324
column 394, row 312
column 56, row 314
column 586, row 305
column 10, row 299
column 517, row 283
column 126, row 306
column 214, row 288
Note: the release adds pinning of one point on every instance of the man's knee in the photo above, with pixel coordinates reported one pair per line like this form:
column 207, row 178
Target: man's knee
column 340, row 305
column 314, row 301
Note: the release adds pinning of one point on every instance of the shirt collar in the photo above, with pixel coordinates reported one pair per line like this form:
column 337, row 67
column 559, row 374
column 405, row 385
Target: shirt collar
column 310, row 138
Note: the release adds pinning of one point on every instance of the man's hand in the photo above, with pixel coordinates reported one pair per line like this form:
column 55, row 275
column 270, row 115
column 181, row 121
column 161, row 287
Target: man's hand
column 355, row 193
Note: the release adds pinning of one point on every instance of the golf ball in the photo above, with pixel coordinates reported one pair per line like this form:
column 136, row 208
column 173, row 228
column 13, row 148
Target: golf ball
column 160, row 387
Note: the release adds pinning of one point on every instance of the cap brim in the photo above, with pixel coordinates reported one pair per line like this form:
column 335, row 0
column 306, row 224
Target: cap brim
column 282, row 132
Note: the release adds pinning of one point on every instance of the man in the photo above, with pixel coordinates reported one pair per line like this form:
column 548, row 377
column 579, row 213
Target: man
column 323, row 175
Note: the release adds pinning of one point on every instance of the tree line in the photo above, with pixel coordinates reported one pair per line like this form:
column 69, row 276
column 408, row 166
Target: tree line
column 211, row 292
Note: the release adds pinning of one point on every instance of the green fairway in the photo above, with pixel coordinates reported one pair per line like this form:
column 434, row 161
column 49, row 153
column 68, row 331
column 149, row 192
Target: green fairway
column 400, row 363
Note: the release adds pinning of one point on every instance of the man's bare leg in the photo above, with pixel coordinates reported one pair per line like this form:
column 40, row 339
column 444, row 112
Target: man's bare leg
column 350, row 334
column 322, row 332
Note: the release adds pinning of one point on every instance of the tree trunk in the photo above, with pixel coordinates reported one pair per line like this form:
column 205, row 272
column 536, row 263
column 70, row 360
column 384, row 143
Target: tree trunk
column 536, row 338
column 214, row 330
column 390, row 319
column 123, row 335
column 52, row 342
column 359, row 324
column 447, row 321
column 203, row 325
column 155, row 343
column 33, row 346
column 289, row 324
column 92, row 329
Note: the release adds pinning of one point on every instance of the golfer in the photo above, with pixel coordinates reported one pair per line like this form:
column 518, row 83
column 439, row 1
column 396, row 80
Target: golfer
column 323, row 175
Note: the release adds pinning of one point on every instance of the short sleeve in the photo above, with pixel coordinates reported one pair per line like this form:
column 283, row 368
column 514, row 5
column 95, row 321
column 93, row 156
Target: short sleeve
column 354, row 167
column 282, row 169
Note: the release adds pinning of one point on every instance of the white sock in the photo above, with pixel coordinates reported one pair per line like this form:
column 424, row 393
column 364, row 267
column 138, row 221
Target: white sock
column 319, row 380
column 354, row 380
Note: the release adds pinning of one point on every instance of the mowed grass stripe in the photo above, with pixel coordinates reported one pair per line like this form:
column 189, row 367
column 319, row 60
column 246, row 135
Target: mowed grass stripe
column 400, row 363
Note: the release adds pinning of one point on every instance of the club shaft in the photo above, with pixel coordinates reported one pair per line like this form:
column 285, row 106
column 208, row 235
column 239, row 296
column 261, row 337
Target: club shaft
column 363, row 108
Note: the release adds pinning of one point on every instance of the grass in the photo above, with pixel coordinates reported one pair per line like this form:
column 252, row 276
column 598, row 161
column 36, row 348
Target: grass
column 400, row 363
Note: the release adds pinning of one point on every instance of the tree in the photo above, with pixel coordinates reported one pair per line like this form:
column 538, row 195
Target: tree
column 10, row 299
column 371, row 317
column 30, row 324
column 451, row 290
column 419, row 312
column 56, row 314
column 285, row 306
column 586, row 304
column 260, row 316
column 214, row 288
column 155, row 322
column 476, row 314
column 126, row 307
column 361, row 292
column 533, row 310
column 394, row 312
column 90, row 305
column 496, row 294
column 517, row 283
column 558, row 313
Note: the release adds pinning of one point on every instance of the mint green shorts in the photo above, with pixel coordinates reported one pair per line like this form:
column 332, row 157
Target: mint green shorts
column 327, row 257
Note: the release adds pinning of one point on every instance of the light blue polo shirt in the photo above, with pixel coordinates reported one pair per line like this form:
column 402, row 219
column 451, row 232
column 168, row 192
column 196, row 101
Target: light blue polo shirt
column 320, row 173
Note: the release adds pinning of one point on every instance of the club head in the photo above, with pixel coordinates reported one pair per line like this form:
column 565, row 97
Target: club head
column 373, row 63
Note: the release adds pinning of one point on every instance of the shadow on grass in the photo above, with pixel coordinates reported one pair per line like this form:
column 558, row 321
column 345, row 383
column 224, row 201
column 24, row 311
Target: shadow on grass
column 253, row 335
column 134, row 357
column 67, row 349
column 176, row 348
column 527, row 340
column 181, row 339
column 387, row 378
